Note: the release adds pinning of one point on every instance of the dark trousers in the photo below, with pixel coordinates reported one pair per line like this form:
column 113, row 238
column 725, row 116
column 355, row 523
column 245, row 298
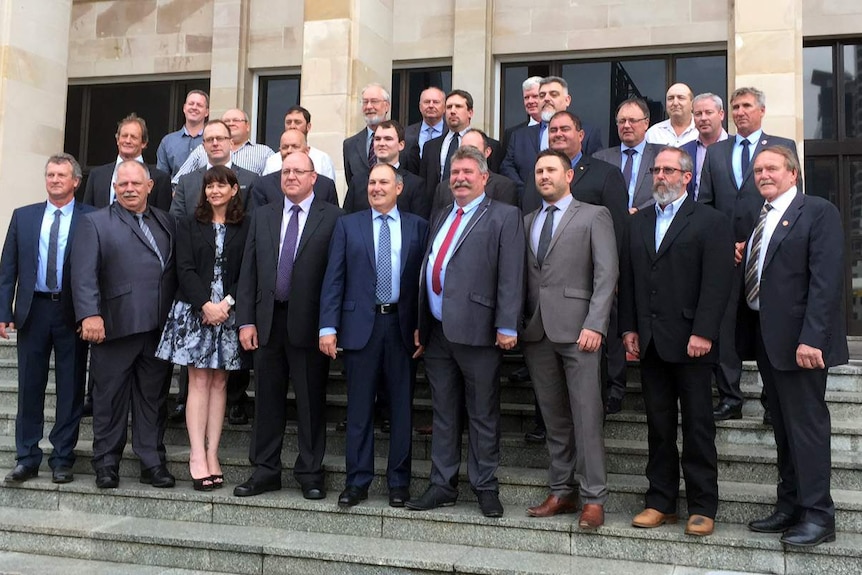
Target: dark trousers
column 45, row 330
column 274, row 364
column 665, row 384
column 458, row 375
column 801, row 423
column 614, row 358
column 125, row 371
column 384, row 359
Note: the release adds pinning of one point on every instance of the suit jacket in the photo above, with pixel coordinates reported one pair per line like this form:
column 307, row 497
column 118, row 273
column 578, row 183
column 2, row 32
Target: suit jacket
column 690, row 148
column 266, row 189
column 410, row 158
column 116, row 273
column 20, row 261
column 801, row 288
column 196, row 250
column 98, row 189
column 682, row 289
column 355, row 150
column 413, row 199
column 188, row 192
column 484, row 288
column 497, row 187
column 255, row 300
column 718, row 186
column 575, row 286
column 348, row 298
column 643, row 180
column 429, row 168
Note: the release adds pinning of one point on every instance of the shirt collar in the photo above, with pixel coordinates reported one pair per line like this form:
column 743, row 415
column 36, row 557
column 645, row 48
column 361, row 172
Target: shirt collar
column 562, row 204
column 472, row 204
column 752, row 137
column 640, row 147
column 229, row 164
column 120, row 160
column 436, row 127
column 393, row 213
column 577, row 159
column 186, row 132
column 531, row 121
column 65, row 210
column 672, row 208
column 782, row 202
column 305, row 204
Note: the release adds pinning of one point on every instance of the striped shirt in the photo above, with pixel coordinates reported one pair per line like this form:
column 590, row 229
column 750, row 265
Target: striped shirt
column 250, row 156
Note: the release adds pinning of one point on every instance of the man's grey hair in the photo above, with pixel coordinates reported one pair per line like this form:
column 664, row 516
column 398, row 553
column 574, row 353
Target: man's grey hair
column 531, row 82
column 749, row 90
column 64, row 158
column 386, row 95
column 685, row 162
column 709, row 96
column 471, row 153
column 141, row 164
column 561, row 81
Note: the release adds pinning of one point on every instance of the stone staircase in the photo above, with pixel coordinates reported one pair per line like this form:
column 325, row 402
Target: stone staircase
column 77, row 528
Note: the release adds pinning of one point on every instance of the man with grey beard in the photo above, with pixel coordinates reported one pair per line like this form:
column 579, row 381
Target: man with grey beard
column 674, row 286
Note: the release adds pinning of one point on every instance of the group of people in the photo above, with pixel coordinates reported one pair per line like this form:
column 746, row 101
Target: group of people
column 682, row 247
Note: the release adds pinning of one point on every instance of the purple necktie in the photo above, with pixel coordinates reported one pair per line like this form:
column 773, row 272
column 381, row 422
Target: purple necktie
column 285, row 262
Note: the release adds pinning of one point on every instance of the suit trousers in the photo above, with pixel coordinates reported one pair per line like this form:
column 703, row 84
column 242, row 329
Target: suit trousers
column 665, row 384
column 384, row 359
column 569, row 392
column 614, row 358
column 802, row 428
column 463, row 374
column 44, row 330
column 126, row 370
column 274, row 364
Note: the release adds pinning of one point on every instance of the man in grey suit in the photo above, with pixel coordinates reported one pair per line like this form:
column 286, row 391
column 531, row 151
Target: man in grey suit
column 123, row 283
column 727, row 184
column 475, row 264
column 634, row 156
column 358, row 150
column 572, row 270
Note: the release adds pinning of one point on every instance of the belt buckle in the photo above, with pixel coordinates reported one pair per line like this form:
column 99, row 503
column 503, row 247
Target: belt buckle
column 385, row 308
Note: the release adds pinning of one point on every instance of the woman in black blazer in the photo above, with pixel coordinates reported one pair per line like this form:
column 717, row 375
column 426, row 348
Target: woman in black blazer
column 201, row 330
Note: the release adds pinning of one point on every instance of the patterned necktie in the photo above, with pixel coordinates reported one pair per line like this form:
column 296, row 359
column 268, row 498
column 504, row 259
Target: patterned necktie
column 53, row 242
column 372, row 157
column 453, row 145
column 745, row 159
column 546, row 234
column 543, row 136
column 383, row 291
column 752, row 282
column 438, row 261
column 149, row 235
column 288, row 251
column 627, row 170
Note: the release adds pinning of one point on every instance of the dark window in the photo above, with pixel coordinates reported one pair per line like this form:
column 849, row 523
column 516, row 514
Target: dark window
column 276, row 95
column 408, row 84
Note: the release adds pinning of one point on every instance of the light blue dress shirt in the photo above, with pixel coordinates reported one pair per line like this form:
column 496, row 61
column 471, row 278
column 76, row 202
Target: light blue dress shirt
column 664, row 218
column 562, row 205
column 636, row 165
column 427, row 132
column 752, row 138
column 45, row 238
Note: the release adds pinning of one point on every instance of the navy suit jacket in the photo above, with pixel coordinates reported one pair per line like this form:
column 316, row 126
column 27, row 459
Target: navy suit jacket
column 21, row 259
column 348, row 297
column 690, row 148
column 413, row 198
column 98, row 189
column 267, row 189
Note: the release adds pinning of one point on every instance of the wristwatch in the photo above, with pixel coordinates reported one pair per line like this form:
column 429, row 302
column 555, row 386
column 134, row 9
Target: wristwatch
column 230, row 301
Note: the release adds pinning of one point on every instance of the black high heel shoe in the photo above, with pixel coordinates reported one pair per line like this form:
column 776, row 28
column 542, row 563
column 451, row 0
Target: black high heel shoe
column 203, row 484
column 217, row 481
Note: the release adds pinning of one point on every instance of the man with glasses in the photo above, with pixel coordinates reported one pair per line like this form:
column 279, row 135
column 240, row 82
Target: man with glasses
column 674, row 285
column 634, row 156
column 358, row 149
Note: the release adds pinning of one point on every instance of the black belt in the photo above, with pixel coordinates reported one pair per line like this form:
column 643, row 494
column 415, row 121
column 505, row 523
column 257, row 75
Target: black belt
column 280, row 304
column 386, row 308
column 47, row 295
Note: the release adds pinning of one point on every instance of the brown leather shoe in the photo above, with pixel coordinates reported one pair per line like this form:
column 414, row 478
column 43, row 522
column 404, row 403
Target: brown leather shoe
column 650, row 517
column 592, row 517
column 553, row 505
column 700, row 526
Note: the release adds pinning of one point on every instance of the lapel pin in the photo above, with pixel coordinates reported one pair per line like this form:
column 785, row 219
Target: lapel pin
column 762, row 142
column 785, row 223
column 581, row 168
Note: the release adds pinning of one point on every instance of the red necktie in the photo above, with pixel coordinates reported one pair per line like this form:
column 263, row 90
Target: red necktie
column 438, row 261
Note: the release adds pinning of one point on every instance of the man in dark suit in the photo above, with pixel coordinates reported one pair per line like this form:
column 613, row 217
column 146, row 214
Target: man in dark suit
column 132, row 138
column 727, row 184
column 278, row 310
column 369, row 308
column 388, row 144
column 498, row 187
column 532, row 106
column 34, row 271
column 794, row 309
column 475, row 263
column 267, row 188
column 123, row 283
column 634, row 156
column 708, row 113
column 674, row 285
column 358, row 149
column 431, row 102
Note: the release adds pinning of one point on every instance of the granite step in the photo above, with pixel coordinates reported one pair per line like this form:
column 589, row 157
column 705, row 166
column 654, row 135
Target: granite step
column 19, row 563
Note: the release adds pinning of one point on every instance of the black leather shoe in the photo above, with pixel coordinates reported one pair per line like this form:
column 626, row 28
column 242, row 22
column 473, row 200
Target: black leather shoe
column 807, row 534
column 62, row 475
column 724, row 411
column 315, row 492
column 237, row 415
column 158, row 476
column 778, row 522
column 520, row 375
column 257, row 486
column 433, row 498
column 767, row 418
column 22, row 473
column 536, row 436
column 489, row 503
column 351, row 496
column 398, row 496
column 87, row 410
column 614, row 405
column 178, row 414
column 107, row 477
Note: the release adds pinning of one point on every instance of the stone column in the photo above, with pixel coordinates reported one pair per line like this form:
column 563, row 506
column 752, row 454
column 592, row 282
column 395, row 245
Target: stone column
column 765, row 51
column 34, row 51
column 347, row 44
column 472, row 64
column 230, row 79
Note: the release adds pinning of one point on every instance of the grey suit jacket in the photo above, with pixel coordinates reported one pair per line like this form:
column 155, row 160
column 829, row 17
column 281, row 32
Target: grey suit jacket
column 574, row 287
column 355, row 149
column 188, row 191
column 643, row 180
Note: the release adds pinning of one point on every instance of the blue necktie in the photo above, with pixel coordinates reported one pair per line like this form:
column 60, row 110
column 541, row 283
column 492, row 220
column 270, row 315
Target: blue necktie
column 383, row 292
column 53, row 242
column 744, row 159
column 149, row 235
column 288, row 251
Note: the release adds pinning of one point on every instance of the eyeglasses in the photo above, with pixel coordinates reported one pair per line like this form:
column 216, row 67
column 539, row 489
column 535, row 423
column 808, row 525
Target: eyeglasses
column 218, row 139
column 295, row 172
column 373, row 102
column 632, row 121
column 666, row 170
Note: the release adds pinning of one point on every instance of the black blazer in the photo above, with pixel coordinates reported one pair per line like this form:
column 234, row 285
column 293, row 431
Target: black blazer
column 267, row 189
column 683, row 289
column 429, row 167
column 355, row 150
column 412, row 200
column 409, row 157
column 498, row 188
column 196, row 251
column 98, row 189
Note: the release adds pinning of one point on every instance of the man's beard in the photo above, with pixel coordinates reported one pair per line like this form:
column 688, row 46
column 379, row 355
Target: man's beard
column 374, row 120
column 670, row 193
column 547, row 114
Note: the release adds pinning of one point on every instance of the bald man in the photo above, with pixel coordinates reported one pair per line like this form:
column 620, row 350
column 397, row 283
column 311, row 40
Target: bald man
column 679, row 128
